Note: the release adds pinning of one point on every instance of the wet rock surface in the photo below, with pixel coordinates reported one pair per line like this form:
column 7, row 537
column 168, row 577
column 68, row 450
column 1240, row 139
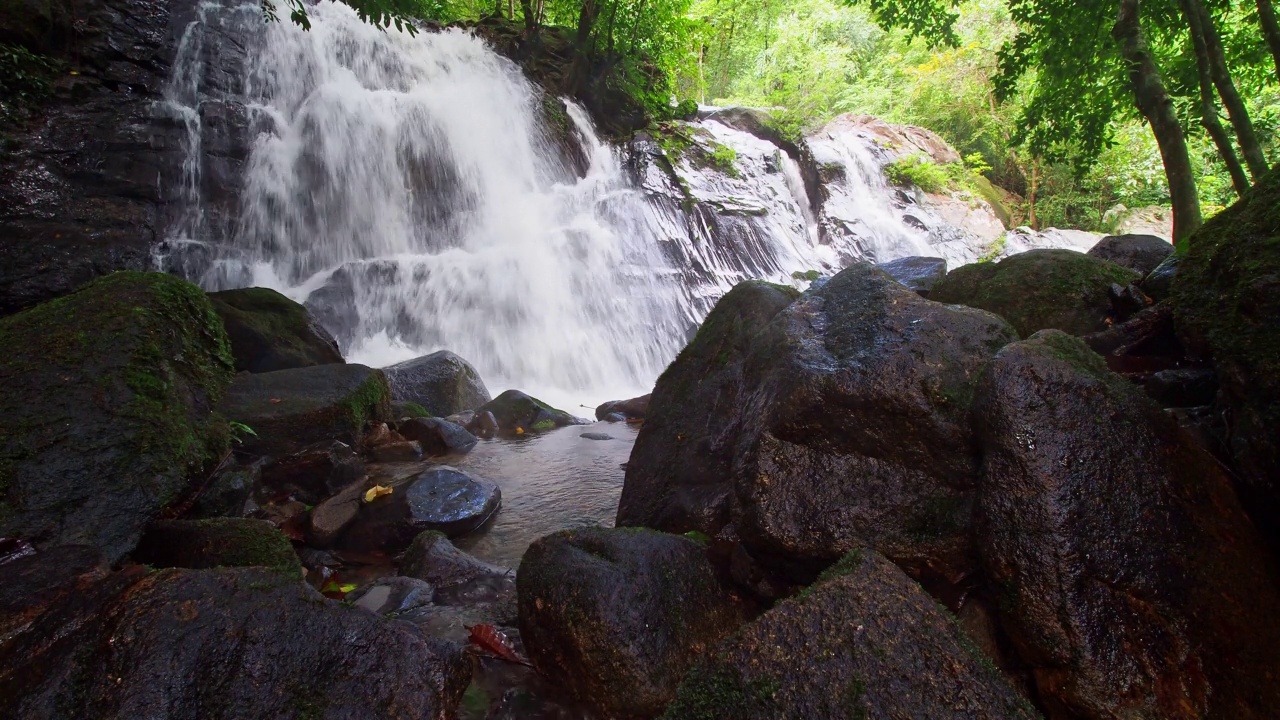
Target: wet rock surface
column 617, row 616
column 863, row 642
column 917, row 273
column 1128, row 576
column 315, row 473
column 1039, row 289
column 1140, row 253
column 633, row 409
column 441, row 498
column 126, row 372
column 290, row 409
column 437, row 436
column 219, row 542
column 220, row 644
column 441, row 382
column 268, row 331
column 515, row 411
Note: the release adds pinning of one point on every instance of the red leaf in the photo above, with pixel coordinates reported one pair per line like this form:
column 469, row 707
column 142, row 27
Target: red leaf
column 493, row 641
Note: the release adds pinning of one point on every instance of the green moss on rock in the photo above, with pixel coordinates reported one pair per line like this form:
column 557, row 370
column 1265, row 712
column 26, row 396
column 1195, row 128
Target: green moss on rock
column 218, row 542
column 106, row 407
column 268, row 331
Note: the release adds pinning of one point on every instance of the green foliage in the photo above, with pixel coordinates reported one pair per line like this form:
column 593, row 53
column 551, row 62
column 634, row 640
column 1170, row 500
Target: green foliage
column 24, row 81
column 723, row 157
column 919, row 171
column 239, row 431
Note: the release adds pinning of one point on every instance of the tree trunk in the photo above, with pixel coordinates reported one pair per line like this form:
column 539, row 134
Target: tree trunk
column 1208, row 108
column 1236, row 110
column 1035, row 179
column 1270, row 30
column 1154, row 103
column 530, row 18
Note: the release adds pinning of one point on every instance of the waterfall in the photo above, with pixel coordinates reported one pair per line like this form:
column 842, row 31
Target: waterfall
column 416, row 193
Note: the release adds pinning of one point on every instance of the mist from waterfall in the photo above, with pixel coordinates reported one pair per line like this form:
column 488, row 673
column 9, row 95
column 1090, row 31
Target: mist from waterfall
column 407, row 190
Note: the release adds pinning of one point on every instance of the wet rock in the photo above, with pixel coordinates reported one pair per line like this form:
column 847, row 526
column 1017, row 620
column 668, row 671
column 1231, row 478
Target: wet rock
column 331, row 517
column 614, row 418
column 290, row 409
column 438, row 437
column 617, row 616
column 392, row 595
column 1158, row 284
column 1146, row 334
column 917, row 273
column 1140, row 253
column 1227, row 300
column 36, row 581
column 635, row 408
column 217, row 542
column 678, row 477
column 314, row 474
column 1129, row 578
column 105, row 409
column 1039, row 289
column 243, row 642
column 596, row 436
column 268, row 331
column 514, row 411
column 441, row 382
column 468, row 591
column 431, row 557
column 228, row 492
column 405, row 410
column 442, row 498
column 483, row 425
column 863, row 642
column 397, row 451
column 1187, row 387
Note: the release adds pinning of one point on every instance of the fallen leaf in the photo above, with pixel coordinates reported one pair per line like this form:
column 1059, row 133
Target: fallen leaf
column 376, row 492
column 274, row 401
column 493, row 641
column 519, row 431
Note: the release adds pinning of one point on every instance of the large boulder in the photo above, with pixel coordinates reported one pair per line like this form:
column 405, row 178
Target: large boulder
column 1127, row 575
column 1039, row 289
column 106, row 401
column 917, row 273
column 1227, row 304
column 291, row 409
column 228, row 643
column 268, row 331
column 467, row 591
column 678, row 476
column 1140, row 253
column 634, row 409
column 217, row 542
column 616, row 616
column 850, row 426
column 864, row 642
column 443, row 498
column 441, row 382
column 518, row 412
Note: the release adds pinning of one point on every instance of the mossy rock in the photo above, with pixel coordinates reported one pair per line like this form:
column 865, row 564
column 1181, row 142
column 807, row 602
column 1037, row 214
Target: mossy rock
column 441, row 384
column 291, row 409
column 1039, row 289
column 217, row 542
column 518, row 412
column 865, row 642
column 1226, row 298
column 106, row 408
column 268, row 331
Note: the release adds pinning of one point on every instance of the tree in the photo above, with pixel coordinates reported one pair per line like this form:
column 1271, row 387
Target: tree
column 1208, row 105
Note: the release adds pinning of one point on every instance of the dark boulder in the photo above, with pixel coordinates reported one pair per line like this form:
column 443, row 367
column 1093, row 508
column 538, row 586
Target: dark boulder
column 397, row 451
column 106, row 401
column 1140, row 253
column 290, row 409
column 315, row 473
column 438, row 437
column 1158, row 284
column 389, row 595
column 678, row 476
column 268, row 331
column 36, row 581
column 217, row 542
column 441, row 382
column 617, row 616
column 850, row 426
column 1039, row 289
column 328, row 519
column 468, row 590
column 633, row 409
column 917, row 273
column 229, row 643
column 864, row 642
column 515, row 411
column 432, row 558
column 1227, row 305
column 483, row 425
column 1129, row 578
column 442, row 498
column 1181, row 388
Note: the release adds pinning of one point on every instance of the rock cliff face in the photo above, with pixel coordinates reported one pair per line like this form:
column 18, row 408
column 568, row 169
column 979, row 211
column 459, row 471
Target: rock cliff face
column 86, row 172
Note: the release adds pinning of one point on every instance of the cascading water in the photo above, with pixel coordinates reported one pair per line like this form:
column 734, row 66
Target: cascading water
column 406, row 190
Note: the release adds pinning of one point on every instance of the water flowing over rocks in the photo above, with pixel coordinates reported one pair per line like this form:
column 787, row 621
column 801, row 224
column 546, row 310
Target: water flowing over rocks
column 1128, row 576
column 618, row 615
column 863, row 642
column 106, row 409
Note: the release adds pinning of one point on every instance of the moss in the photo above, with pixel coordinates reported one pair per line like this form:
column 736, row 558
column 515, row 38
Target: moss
column 411, row 409
column 807, row 275
column 713, row 693
column 370, row 402
column 995, row 250
column 475, row 702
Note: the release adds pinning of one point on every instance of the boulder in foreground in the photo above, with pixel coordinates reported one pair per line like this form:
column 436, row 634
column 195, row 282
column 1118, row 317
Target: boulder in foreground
column 864, row 642
column 106, row 400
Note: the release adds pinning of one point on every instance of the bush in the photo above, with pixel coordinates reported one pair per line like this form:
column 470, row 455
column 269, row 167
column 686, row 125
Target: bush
column 919, row 171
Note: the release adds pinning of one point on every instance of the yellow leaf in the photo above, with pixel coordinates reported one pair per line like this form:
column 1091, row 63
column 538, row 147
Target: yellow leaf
column 376, row 492
column 519, row 431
